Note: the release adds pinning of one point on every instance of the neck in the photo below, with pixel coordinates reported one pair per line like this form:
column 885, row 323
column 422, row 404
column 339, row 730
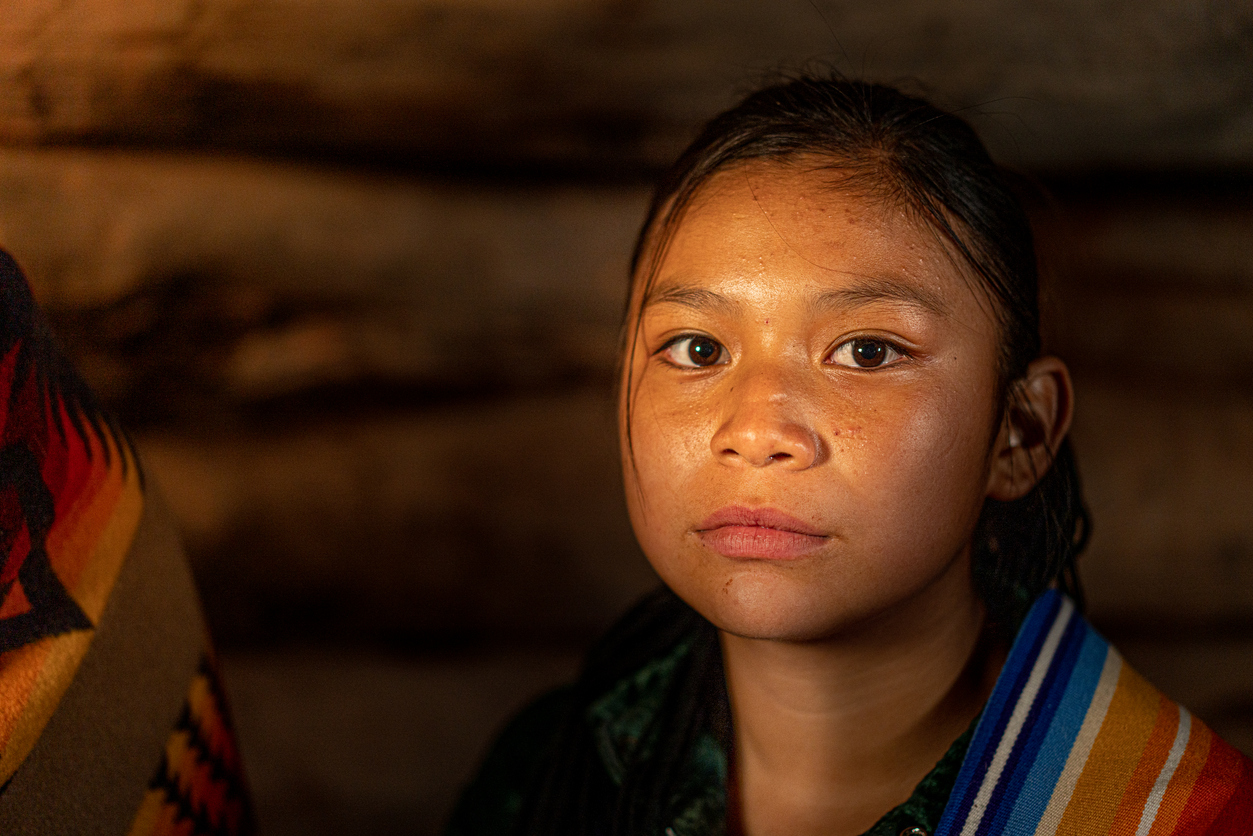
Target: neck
column 831, row 734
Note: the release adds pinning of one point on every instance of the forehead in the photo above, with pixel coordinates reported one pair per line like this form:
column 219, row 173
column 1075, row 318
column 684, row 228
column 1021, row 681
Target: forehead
column 766, row 226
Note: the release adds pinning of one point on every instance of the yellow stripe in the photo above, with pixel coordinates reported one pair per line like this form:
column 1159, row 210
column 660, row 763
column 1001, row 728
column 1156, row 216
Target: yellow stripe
column 1117, row 751
column 59, row 657
column 1152, row 761
column 1084, row 740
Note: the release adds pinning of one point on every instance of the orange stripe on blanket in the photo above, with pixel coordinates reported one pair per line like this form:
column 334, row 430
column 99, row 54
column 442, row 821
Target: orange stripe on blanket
column 108, row 525
column 73, row 542
column 1214, row 787
column 1114, row 757
column 57, row 664
column 1131, row 808
column 19, row 671
column 1190, row 765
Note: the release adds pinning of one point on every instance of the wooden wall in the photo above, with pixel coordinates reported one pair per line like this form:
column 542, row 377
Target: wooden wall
column 353, row 271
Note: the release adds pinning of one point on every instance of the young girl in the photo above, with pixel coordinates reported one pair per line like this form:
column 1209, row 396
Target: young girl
column 847, row 459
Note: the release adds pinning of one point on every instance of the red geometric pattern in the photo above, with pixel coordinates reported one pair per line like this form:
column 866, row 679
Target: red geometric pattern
column 199, row 786
column 71, row 496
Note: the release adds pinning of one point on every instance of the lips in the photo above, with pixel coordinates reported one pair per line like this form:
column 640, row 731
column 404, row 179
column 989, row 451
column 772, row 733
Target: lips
column 759, row 533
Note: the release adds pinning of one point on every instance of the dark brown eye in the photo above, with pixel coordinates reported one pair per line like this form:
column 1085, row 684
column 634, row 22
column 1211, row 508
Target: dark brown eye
column 868, row 353
column 703, row 352
column 695, row 352
column 864, row 354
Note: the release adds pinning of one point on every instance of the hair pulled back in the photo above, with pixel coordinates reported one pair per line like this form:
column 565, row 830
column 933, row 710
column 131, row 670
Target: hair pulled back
column 901, row 150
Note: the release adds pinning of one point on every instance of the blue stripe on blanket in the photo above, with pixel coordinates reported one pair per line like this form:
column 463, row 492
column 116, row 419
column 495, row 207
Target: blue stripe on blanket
column 996, row 713
column 1062, row 731
column 1039, row 721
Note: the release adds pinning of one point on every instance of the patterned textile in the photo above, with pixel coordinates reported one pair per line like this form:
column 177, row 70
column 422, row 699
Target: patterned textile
column 1073, row 741
column 70, row 505
column 196, row 788
column 100, row 627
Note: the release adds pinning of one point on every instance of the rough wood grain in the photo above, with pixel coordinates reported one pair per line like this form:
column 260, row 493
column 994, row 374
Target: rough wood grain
column 504, row 518
column 206, row 281
column 601, row 85
column 186, row 286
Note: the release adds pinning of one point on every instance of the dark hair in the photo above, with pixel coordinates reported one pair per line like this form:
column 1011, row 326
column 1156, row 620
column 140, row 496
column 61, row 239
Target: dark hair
column 895, row 148
column 901, row 149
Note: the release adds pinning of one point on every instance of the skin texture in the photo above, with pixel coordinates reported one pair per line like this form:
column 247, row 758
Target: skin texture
column 852, row 636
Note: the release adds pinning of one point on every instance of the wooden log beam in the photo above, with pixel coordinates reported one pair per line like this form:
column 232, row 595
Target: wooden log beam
column 183, row 285
column 186, row 285
column 603, row 87
column 239, row 282
column 498, row 518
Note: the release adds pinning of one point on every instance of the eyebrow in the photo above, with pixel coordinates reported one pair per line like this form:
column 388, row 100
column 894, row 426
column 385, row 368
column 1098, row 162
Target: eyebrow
column 869, row 290
column 697, row 298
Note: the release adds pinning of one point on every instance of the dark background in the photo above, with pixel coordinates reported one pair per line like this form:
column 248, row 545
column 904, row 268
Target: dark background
column 352, row 272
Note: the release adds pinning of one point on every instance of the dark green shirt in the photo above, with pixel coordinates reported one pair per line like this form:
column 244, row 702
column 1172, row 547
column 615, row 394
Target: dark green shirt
column 618, row 722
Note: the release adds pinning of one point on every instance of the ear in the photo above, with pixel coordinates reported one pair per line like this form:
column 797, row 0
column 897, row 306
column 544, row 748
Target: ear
column 1036, row 420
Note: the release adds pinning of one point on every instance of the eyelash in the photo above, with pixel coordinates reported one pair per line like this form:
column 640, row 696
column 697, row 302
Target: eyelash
column 682, row 338
column 890, row 346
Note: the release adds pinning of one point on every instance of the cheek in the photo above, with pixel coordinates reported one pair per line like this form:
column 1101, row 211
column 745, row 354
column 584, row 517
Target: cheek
column 921, row 473
column 668, row 455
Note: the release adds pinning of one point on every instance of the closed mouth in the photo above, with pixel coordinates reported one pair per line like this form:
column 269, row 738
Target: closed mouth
column 759, row 533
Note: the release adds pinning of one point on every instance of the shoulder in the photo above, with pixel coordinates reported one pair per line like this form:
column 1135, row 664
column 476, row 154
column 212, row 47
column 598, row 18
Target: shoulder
column 1073, row 737
column 492, row 800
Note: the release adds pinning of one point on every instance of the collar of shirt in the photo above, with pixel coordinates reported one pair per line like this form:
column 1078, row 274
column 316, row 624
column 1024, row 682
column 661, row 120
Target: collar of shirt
column 623, row 724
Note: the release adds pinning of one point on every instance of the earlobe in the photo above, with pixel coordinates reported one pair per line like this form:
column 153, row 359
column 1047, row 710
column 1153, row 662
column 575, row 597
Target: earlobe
column 1036, row 420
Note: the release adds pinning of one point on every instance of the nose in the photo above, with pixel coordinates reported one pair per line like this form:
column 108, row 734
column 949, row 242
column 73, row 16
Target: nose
column 762, row 429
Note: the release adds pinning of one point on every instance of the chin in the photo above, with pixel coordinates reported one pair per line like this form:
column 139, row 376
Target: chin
column 772, row 603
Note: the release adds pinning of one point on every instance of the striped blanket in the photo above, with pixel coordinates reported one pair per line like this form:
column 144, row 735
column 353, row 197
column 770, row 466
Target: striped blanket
column 1073, row 741
column 112, row 718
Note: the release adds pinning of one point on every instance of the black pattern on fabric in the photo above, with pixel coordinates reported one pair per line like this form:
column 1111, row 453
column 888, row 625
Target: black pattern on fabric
column 199, row 783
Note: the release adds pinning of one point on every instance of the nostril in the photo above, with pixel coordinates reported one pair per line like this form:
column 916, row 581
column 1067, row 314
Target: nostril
column 780, row 457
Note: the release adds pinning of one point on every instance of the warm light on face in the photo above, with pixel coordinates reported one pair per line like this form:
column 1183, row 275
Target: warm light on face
column 811, row 405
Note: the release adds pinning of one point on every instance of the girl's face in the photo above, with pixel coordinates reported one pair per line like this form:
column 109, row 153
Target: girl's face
column 812, row 408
